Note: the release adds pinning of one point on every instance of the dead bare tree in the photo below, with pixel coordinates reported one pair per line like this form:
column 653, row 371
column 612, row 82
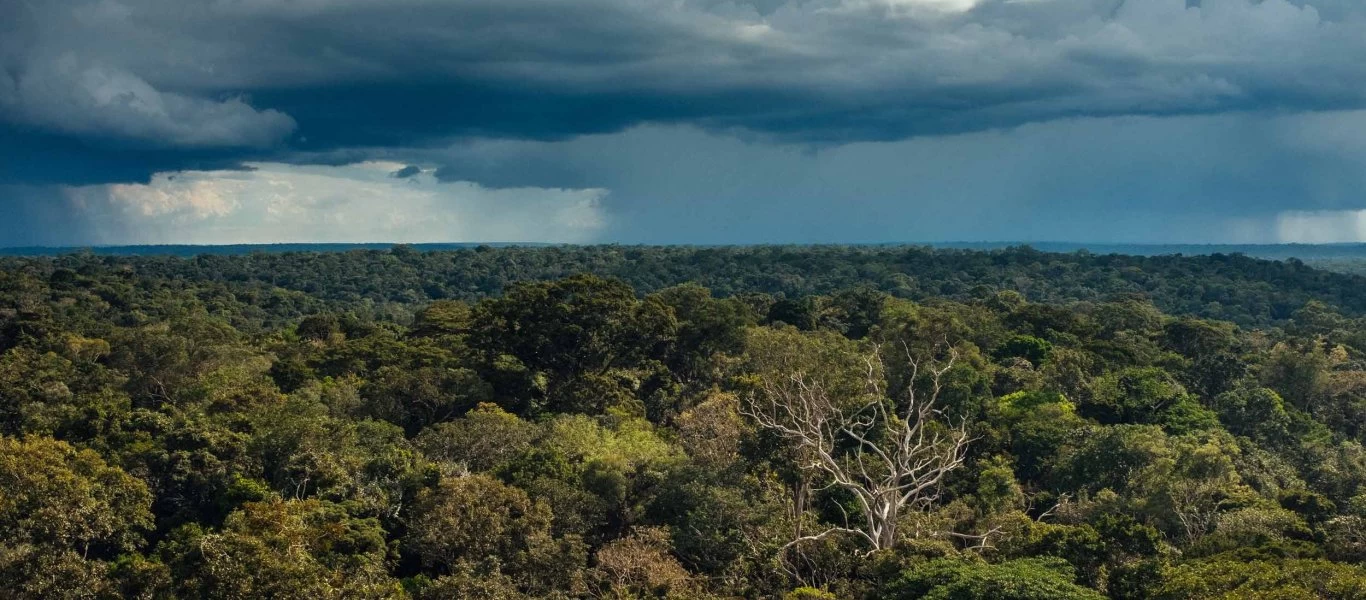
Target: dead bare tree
column 890, row 452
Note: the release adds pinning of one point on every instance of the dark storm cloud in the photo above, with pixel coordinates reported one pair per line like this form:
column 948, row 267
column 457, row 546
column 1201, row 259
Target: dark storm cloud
column 1199, row 178
column 406, row 172
column 117, row 89
column 1211, row 178
column 36, row 217
column 45, row 158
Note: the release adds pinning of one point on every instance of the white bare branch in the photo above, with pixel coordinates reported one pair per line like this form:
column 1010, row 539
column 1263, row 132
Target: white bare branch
column 890, row 453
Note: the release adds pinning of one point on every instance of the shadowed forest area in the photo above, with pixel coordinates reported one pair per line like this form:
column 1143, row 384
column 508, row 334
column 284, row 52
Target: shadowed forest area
column 787, row 422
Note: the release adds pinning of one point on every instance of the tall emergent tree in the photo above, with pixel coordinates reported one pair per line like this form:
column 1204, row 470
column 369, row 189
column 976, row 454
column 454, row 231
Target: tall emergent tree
column 889, row 449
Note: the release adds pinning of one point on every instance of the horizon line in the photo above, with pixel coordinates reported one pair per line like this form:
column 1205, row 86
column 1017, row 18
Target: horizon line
column 1003, row 243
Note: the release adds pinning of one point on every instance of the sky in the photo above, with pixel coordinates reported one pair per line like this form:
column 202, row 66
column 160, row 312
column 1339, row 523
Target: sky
column 682, row 121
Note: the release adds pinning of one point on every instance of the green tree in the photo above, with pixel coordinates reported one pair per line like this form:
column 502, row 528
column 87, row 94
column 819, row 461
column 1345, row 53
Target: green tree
column 475, row 518
column 576, row 327
column 1025, row 579
column 1219, row 579
column 1146, row 395
column 305, row 452
column 287, row 549
column 483, row 439
column 64, row 514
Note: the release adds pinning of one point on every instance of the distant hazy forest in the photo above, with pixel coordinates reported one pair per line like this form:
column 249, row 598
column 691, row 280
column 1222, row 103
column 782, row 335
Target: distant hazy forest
column 391, row 283
column 803, row 423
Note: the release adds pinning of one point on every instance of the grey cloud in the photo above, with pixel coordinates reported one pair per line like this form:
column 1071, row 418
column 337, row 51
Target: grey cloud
column 1246, row 177
column 67, row 97
column 1134, row 179
column 699, row 121
column 34, row 215
column 406, row 172
column 406, row 73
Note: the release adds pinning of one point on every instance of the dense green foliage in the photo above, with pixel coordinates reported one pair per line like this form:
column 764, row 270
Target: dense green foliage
column 423, row 425
column 1227, row 287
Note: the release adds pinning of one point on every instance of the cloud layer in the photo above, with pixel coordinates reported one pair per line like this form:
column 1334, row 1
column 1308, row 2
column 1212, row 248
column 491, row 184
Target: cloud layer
column 66, row 97
column 271, row 203
column 1203, row 178
column 690, row 120
column 1218, row 178
column 366, row 72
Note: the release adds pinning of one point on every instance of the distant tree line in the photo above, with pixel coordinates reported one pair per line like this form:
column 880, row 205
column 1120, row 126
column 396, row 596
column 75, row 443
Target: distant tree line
column 1229, row 287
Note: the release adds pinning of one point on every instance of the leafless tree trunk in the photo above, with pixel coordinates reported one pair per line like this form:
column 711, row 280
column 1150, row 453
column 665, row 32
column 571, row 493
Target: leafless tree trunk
column 902, row 447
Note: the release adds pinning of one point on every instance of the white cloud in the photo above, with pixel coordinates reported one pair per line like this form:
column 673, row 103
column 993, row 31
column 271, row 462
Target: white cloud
column 353, row 203
column 186, row 199
column 1321, row 227
column 915, row 8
